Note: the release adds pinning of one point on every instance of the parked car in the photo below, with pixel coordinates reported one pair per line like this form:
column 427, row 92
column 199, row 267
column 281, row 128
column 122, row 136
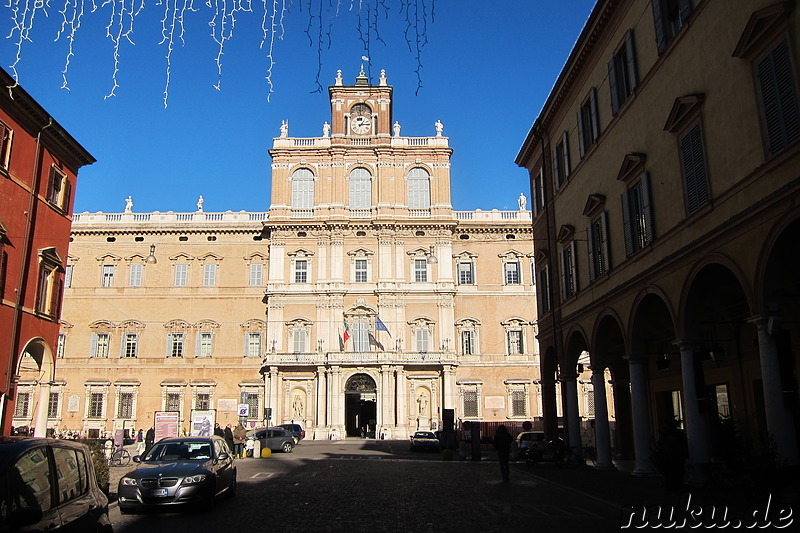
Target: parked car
column 424, row 440
column 296, row 430
column 274, row 438
column 50, row 484
column 179, row 471
column 527, row 440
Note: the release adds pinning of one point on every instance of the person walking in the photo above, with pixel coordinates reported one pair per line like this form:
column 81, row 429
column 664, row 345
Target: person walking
column 149, row 439
column 228, row 434
column 239, row 434
column 140, row 442
column 502, row 443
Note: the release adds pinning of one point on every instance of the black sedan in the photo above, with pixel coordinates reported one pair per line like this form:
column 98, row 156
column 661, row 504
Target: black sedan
column 179, row 471
column 424, row 440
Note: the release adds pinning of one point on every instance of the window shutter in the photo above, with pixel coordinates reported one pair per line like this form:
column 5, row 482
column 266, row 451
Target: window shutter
column 661, row 30
column 564, row 287
column 778, row 99
column 581, row 142
column 67, row 194
column 604, row 245
column 574, row 267
column 694, row 169
column 556, row 173
column 626, row 223
column 630, row 50
column 93, row 351
column 595, row 115
column 612, row 83
column 590, row 234
column 647, row 211
column 685, row 7
column 565, row 143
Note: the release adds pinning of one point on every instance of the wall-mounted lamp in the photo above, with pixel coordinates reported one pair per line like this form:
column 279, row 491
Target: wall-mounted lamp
column 431, row 257
column 151, row 259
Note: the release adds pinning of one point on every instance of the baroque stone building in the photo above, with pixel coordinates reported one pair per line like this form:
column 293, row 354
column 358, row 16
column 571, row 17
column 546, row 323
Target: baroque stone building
column 359, row 300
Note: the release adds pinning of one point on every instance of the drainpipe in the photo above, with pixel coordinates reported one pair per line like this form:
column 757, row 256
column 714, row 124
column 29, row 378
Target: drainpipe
column 23, row 274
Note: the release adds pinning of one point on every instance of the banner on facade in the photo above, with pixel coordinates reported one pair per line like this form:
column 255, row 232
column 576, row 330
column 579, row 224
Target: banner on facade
column 167, row 424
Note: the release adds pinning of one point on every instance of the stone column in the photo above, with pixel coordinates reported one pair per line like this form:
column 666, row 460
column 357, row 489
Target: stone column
column 336, row 398
column 780, row 423
column 641, row 416
column 569, row 388
column 549, row 407
column 402, row 394
column 40, row 422
column 320, row 416
column 696, row 429
column 601, row 431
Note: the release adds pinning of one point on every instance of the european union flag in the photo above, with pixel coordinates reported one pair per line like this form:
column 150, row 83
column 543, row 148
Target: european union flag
column 380, row 326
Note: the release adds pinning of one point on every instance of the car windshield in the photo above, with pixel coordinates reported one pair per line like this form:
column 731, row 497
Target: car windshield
column 424, row 435
column 179, row 451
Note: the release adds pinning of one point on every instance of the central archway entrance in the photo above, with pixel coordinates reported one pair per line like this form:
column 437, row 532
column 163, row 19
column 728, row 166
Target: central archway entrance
column 360, row 405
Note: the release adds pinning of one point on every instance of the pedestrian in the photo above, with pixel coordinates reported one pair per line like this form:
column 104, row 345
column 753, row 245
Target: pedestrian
column 502, row 443
column 218, row 431
column 228, row 434
column 140, row 442
column 239, row 434
column 149, row 439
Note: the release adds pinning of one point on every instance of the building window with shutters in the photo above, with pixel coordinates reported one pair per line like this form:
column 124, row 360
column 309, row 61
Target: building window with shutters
column 467, row 330
column 52, row 405
column 6, row 135
column 361, row 271
column 693, row 166
column 544, row 290
column 205, row 344
column 301, row 271
column 588, row 122
column 419, row 190
column 181, row 274
column 125, row 405
column 100, row 344
column 669, row 16
column 538, row 189
column 256, row 274
column 360, row 191
column 778, row 98
column 130, row 345
column 209, row 275
column 637, row 215
column 569, row 271
column 302, row 193
column 420, row 270
column 95, row 405
column 58, row 189
column 22, row 405
column 597, row 234
column 175, row 345
column 253, row 345
column 135, row 275
column 470, row 394
column 67, row 276
column 622, row 73
column 561, row 167
column 61, row 346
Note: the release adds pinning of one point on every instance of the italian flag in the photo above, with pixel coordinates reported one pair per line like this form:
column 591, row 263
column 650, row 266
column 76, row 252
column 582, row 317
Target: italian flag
column 346, row 331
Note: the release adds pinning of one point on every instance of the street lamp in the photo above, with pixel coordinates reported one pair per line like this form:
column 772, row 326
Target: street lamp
column 151, row 259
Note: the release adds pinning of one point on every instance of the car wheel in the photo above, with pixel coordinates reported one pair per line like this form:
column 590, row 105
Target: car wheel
column 287, row 447
column 232, row 488
column 210, row 499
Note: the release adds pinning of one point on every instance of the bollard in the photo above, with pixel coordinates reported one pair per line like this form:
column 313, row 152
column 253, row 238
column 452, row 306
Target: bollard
column 265, row 453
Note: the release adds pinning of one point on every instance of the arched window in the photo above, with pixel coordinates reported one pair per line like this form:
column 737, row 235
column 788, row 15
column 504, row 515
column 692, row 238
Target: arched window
column 360, row 189
column 419, row 189
column 302, row 189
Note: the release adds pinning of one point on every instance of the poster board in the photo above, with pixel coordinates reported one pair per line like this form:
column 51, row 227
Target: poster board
column 167, row 424
column 203, row 423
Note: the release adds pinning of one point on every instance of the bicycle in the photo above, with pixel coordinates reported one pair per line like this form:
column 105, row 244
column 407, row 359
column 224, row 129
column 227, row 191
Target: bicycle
column 119, row 457
column 577, row 457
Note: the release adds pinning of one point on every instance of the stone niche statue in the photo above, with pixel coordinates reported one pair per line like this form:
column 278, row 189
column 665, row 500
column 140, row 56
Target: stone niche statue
column 297, row 407
column 128, row 204
column 423, row 404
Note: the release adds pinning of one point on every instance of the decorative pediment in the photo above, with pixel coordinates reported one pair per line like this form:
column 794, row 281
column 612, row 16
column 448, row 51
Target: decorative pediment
column 632, row 166
column 49, row 256
column 256, row 256
column 102, row 325
column 511, row 254
column 108, row 257
column 763, row 25
column 421, row 322
column 542, row 255
column 594, row 204
column 210, row 256
column 177, row 325
column 253, row 325
column 565, row 233
column 514, row 322
column 467, row 322
column 132, row 325
column 418, row 252
column 72, row 259
column 300, row 322
column 683, row 108
column 64, row 324
column 360, row 252
column 182, row 255
column 207, row 325
column 465, row 255
column 300, row 253
column 135, row 257
column 361, row 308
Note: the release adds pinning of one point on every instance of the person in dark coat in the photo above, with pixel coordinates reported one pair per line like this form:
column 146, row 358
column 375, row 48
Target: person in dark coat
column 218, row 431
column 149, row 439
column 229, row 436
column 502, row 443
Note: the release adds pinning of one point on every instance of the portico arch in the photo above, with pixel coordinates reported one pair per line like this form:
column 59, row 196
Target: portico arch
column 36, row 366
column 361, row 402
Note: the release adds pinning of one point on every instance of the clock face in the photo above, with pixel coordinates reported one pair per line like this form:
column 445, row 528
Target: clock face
column 360, row 119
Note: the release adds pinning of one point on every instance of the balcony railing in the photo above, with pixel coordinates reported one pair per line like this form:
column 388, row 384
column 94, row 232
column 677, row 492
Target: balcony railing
column 316, row 358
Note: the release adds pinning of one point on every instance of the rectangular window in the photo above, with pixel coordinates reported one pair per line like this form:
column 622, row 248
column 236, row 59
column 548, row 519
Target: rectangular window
column 175, row 345
column 68, row 275
column 471, row 404
column 693, row 163
column 561, row 168
column 622, row 74
column 466, row 273
column 46, row 297
column 253, row 347
column 6, row 135
column 422, row 340
column 360, row 332
column 209, row 275
column 569, row 274
column 58, row 189
column 588, row 122
column 205, row 345
column 511, row 273
column 130, row 345
column 515, row 342
column 598, row 247
column 52, row 405
column 251, row 399
column 301, row 271
column 778, row 94
column 100, row 343
column 95, row 405
column 125, row 405
column 518, row 403
column 256, row 274
column 538, row 188
column 420, row 270
column 3, row 270
column 544, row 290
column 669, row 16
column 108, row 276
column 361, row 271
column 22, row 405
column 202, row 402
column 172, row 402
column 181, row 274
column 299, row 341
column 61, row 346
column 135, row 278
column 637, row 217
column 467, row 342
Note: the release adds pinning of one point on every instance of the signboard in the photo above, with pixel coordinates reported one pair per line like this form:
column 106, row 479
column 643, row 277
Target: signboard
column 495, row 402
column 243, row 410
column 227, row 405
column 167, row 424
column 203, row 423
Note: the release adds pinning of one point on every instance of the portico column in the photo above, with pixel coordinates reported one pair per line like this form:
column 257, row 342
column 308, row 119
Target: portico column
column 569, row 388
column 601, row 431
column 40, row 422
column 780, row 423
column 320, row 418
column 696, row 430
column 549, row 408
column 641, row 416
column 401, row 394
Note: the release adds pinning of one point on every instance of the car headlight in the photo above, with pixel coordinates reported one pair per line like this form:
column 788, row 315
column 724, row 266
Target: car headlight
column 129, row 481
column 191, row 480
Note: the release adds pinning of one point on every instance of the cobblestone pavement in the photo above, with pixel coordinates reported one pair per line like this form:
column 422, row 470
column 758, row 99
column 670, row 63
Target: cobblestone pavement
column 362, row 485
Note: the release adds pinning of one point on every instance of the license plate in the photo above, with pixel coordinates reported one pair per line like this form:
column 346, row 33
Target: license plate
column 159, row 492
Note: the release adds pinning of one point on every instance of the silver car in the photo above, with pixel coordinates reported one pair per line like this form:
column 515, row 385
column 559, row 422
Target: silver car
column 179, row 471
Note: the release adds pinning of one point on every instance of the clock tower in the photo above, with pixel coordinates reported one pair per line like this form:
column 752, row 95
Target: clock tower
column 361, row 110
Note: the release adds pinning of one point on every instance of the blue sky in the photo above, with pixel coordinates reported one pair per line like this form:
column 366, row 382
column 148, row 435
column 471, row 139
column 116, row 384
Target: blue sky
column 487, row 69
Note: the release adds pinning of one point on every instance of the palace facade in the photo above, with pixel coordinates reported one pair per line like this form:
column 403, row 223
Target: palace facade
column 359, row 300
